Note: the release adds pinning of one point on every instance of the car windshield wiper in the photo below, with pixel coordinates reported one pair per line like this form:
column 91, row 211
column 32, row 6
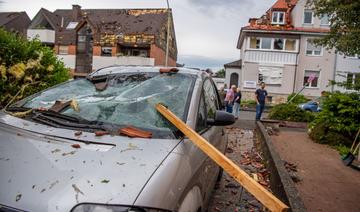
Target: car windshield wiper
column 64, row 121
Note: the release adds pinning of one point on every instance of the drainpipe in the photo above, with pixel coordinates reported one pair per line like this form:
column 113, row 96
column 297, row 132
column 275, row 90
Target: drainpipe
column 168, row 35
column 334, row 73
column 296, row 65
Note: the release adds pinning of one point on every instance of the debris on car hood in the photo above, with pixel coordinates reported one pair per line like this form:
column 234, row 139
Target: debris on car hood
column 100, row 86
column 135, row 132
column 168, row 70
column 59, row 106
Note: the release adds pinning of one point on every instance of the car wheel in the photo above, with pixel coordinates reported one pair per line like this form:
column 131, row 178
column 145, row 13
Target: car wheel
column 192, row 202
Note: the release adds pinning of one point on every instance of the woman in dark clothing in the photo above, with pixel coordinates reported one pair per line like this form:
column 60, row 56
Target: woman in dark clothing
column 237, row 102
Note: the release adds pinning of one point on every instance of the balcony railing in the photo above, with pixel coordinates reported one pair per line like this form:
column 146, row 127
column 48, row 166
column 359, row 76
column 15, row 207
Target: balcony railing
column 44, row 35
column 258, row 56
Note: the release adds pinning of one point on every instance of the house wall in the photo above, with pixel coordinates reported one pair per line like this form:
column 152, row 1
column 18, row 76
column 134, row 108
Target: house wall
column 345, row 65
column 297, row 16
column 324, row 63
column 251, row 72
column 159, row 55
column 228, row 72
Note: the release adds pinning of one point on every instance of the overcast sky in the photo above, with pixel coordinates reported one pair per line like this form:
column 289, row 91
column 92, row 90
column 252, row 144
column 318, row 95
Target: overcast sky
column 206, row 30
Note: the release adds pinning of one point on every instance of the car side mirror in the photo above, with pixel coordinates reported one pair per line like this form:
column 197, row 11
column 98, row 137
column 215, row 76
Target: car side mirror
column 222, row 118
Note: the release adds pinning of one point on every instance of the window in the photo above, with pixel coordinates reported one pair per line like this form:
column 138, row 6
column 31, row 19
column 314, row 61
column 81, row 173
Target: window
column 63, row 49
column 201, row 121
column 352, row 79
column 324, row 20
column 279, row 44
column 266, row 43
column 313, row 50
column 308, row 17
column 290, row 45
column 311, row 79
column 106, row 51
column 270, row 75
column 255, row 43
column 210, row 99
column 72, row 25
column 278, row 17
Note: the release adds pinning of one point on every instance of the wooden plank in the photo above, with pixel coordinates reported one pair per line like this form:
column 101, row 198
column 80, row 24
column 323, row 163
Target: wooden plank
column 263, row 195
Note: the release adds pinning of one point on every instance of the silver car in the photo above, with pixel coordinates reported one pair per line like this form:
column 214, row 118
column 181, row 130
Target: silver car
column 54, row 159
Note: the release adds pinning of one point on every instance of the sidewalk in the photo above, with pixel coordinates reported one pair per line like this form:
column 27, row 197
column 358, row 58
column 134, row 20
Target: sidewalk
column 325, row 183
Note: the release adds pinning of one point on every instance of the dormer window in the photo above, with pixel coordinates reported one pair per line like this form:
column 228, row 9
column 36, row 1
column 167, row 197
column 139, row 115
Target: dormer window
column 278, row 18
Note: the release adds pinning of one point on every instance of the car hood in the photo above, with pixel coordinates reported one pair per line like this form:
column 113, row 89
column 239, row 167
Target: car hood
column 42, row 171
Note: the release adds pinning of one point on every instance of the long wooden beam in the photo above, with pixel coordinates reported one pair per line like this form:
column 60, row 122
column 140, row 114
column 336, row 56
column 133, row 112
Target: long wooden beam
column 263, row 195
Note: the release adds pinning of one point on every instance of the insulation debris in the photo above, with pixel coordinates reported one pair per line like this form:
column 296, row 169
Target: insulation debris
column 135, row 132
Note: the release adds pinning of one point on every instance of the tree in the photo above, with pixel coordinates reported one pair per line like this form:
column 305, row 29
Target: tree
column 26, row 67
column 221, row 73
column 344, row 17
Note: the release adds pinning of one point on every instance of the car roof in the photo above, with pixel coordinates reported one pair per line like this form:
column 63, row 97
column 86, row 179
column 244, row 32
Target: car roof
column 131, row 69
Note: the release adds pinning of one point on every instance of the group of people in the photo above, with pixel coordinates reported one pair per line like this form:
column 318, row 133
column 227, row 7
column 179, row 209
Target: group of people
column 232, row 100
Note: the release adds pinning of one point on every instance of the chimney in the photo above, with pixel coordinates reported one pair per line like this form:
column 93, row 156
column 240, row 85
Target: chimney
column 76, row 12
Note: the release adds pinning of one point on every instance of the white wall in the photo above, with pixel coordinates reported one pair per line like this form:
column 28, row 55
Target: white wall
column 345, row 65
column 100, row 62
column 44, row 35
column 69, row 60
column 228, row 72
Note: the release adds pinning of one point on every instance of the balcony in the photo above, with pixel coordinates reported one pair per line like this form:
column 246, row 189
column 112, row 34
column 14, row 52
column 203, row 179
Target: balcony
column 100, row 62
column 44, row 35
column 258, row 56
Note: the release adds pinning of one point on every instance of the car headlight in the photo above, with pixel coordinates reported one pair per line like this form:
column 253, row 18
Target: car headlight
column 89, row 207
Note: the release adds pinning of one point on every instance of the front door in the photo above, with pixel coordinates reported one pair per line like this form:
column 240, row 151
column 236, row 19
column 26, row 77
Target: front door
column 84, row 50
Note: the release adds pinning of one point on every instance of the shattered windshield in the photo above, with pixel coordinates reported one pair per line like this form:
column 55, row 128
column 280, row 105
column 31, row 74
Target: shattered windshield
column 123, row 99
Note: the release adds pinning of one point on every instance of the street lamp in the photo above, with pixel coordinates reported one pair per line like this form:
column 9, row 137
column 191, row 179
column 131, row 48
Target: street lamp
column 168, row 35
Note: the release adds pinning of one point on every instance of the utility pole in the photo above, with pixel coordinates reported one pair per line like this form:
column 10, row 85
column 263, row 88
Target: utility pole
column 168, row 35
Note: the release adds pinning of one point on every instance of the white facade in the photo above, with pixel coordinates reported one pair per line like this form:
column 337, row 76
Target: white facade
column 346, row 68
column 44, row 35
column 100, row 61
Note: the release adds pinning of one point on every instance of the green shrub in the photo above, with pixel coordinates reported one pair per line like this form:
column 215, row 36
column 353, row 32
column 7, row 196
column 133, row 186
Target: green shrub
column 27, row 67
column 290, row 112
column 338, row 121
column 298, row 99
column 247, row 103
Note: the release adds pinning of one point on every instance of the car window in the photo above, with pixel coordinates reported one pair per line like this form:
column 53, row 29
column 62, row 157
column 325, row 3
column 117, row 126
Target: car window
column 129, row 98
column 210, row 99
column 201, row 117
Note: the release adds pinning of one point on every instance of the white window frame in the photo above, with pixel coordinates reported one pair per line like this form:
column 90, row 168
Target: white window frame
column 318, row 82
column 312, row 17
column 313, row 52
column 278, row 18
column 353, row 78
column 272, row 45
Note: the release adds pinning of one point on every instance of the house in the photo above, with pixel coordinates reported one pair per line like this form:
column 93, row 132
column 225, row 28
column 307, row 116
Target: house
column 16, row 22
column 277, row 49
column 233, row 73
column 88, row 39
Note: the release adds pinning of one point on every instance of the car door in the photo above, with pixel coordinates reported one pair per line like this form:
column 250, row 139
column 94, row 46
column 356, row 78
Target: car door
column 209, row 103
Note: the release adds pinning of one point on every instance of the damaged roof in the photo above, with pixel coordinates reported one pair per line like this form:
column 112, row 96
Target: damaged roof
column 6, row 17
column 265, row 25
column 127, row 21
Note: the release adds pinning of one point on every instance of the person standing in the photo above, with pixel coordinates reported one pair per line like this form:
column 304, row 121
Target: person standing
column 230, row 98
column 222, row 94
column 237, row 102
column 260, row 95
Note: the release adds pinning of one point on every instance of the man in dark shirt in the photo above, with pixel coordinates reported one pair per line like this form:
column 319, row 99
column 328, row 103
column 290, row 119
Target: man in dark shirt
column 260, row 95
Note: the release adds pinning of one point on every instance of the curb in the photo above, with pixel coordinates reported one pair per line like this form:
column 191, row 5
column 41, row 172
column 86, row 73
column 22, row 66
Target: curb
column 281, row 183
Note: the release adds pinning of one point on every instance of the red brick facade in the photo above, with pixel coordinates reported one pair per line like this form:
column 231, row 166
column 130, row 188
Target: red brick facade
column 159, row 55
